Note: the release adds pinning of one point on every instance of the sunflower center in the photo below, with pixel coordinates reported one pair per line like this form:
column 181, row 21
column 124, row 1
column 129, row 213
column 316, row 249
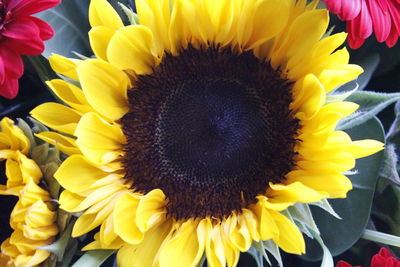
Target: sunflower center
column 206, row 127
column 211, row 128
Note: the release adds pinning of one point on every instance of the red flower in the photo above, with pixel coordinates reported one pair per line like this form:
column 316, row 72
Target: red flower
column 382, row 259
column 366, row 16
column 20, row 34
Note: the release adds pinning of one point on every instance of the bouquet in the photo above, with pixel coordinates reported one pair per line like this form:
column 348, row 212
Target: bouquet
column 199, row 133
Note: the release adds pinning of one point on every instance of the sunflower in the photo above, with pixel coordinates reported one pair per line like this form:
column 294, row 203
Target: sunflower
column 193, row 130
column 32, row 219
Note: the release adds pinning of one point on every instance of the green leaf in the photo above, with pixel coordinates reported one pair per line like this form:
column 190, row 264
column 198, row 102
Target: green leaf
column 132, row 16
column 257, row 256
column 94, row 258
column 260, row 247
column 340, row 235
column 324, row 204
column 71, row 25
column 340, row 96
column 393, row 134
column 27, row 131
column 42, row 67
column 389, row 166
column 383, row 238
column 69, row 253
column 327, row 259
column 301, row 212
column 60, row 245
column 273, row 248
column 371, row 103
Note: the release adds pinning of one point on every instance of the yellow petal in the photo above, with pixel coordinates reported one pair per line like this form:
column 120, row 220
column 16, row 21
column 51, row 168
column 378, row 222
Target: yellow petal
column 63, row 143
column 341, row 74
column 33, row 193
column 96, row 244
column 65, row 66
column 181, row 24
column 70, row 94
column 105, row 87
column 99, row 38
column 364, row 148
column 214, row 246
column 16, row 139
column 290, row 239
column 21, row 171
column 29, row 169
column 57, row 117
column 69, row 201
column 273, row 13
column 309, row 96
column 101, row 13
column 336, row 185
column 39, row 215
column 38, row 257
column 239, row 233
column 94, row 216
column 155, row 15
column 75, row 203
column 108, row 236
column 231, row 252
column 14, row 174
column 77, row 174
column 145, row 253
column 268, row 228
column 327, row 118
column 312, row 24
column 326, row 147
column 151, row 210
column 338, row 163
column 131, row 48
column 100, row 141
column 183, row 244
column 316, row 59
column 251, row 223
column 294, row 192
column 125, row 219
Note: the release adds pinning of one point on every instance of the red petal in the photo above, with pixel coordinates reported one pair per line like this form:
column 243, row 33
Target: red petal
column 21, row 29
column 9, row 88
column 353, row 39
column 2, row 71
column 13, row 65
column 393, row 37
column 394, row 10
column 361, row 26
column 381, row 20
column 385, row 253
column 32, row 47
column 46, row 31
column 343, row 264
column 29, row 7
column 350, row 9
column 334, row 6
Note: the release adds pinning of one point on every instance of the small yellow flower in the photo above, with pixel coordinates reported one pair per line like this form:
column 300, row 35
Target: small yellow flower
column 32, row 219
column 193, row 130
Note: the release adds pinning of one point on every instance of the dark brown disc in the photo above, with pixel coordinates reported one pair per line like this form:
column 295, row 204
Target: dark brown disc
column 211, row 128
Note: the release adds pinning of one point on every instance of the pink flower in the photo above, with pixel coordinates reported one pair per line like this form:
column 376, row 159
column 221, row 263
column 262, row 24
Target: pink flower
column 382, row 259
column 20, row 34
column 366, row 16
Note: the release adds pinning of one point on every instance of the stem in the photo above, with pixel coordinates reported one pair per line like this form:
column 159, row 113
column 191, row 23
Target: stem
column 383, row 238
